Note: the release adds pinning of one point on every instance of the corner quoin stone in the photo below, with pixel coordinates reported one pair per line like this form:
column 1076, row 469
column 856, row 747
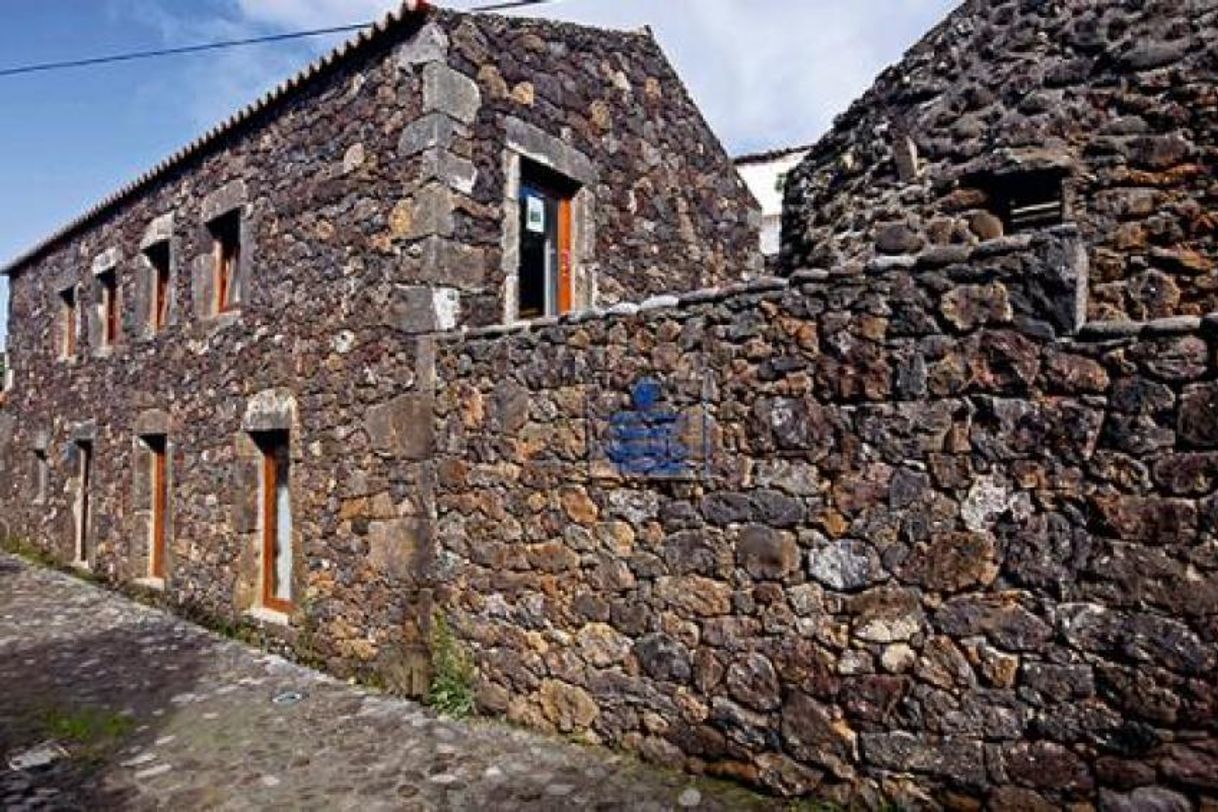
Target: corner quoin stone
column 402, row 427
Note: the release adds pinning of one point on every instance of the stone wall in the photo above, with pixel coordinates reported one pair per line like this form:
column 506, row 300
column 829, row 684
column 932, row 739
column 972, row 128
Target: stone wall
column 1119, row 98
column 372, row 207
column 892, row 532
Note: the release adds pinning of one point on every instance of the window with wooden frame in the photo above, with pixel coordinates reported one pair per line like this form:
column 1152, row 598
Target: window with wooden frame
column 159, row 285
column 108, row 309
column 158, row 482
column 546, row 272
column 68, row 323
column 276, row 521
column 226, row 237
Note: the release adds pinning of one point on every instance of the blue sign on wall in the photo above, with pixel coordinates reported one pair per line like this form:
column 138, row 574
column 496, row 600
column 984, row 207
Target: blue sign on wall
column 647, row 439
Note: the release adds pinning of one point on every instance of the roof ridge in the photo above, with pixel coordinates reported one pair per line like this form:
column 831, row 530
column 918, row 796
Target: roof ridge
column 771, row 154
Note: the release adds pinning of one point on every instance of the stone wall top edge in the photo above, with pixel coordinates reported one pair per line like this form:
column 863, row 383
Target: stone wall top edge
column 877, row 269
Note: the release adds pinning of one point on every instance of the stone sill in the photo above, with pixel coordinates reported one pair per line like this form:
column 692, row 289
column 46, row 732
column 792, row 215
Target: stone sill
column 81, row 565
column 157, row 584
column 265, row 615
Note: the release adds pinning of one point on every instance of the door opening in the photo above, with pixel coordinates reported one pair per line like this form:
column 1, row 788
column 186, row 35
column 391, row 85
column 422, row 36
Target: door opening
column 158, row 458
column 84, row 453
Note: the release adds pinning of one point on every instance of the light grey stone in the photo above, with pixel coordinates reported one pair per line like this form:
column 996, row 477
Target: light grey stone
column 431, row 131
column 450, row 92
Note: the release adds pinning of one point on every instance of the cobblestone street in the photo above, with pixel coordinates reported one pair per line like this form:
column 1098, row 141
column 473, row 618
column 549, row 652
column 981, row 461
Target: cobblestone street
column 153, row 712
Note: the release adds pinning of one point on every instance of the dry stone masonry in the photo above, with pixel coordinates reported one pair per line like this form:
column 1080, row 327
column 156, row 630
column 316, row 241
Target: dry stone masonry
column 931, row 517
column 931, row 550
column 370, row 197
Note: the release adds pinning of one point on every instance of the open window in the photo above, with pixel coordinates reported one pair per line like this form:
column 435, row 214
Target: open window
column 69, row 323
column 159, row 260
column 545, row 274
column 276, row 519
column 1029, row 200
column 226, row 248
column 108, row 307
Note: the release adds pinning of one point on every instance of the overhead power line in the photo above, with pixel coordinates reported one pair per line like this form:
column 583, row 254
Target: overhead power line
column 45, row 67
column 186, row 49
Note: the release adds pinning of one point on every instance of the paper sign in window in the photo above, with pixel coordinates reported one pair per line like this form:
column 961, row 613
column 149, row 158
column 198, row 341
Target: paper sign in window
column 536, row 220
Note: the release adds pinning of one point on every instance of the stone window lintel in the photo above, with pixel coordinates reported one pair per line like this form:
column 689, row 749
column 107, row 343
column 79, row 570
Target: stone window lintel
column 105, row 262
column 160, row 230
column 230, row 197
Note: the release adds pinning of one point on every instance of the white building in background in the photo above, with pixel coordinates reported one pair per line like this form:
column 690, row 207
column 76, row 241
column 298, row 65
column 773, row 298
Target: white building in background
column 766, row 173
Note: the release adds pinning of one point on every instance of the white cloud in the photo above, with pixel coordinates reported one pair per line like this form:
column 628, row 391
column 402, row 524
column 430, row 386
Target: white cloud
column 314, row 13
column 765, row 72
column 770, row 72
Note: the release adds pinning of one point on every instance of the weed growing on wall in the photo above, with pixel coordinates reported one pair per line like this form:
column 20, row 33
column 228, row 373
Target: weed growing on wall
column 453, row 674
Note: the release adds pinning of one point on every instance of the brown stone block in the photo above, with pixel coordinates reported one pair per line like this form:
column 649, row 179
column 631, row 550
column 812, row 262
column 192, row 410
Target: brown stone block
column 395, row 547
column 1199, row 415
column 695, row 595
column 952, row 562
column 402, row 427
column 567, row 707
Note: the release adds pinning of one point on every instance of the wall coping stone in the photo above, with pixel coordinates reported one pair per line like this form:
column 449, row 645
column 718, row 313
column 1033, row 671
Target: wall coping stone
column 1155, row 328
column 814, row 276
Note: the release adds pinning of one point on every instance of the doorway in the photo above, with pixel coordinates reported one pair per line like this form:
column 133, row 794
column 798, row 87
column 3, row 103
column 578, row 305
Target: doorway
column 84, row 462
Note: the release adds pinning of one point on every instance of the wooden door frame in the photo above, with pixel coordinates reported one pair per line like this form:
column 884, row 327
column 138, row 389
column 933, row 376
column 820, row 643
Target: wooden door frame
column 271, row 531
column 159, row 449
column 84, row 451
column 565, row 261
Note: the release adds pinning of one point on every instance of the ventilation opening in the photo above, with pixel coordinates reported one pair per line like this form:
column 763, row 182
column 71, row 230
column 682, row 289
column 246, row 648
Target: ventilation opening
column 1029, row 200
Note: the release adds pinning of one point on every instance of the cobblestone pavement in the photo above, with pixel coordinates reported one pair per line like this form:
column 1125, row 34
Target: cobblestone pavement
column 156, row 713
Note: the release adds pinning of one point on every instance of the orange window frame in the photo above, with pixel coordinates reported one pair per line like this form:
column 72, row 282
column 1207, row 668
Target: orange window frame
column 271, row 540
column 109, row 284
column 158, row 257
column 227, row 234
column 69, row 322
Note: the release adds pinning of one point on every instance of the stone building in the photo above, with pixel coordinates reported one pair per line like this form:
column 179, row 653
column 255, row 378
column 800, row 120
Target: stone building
column 217, row 386
column 1010, row 116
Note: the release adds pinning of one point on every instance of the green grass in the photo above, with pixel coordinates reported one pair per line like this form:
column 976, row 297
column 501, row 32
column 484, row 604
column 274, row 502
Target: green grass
column 87, row 726
column 24, row 549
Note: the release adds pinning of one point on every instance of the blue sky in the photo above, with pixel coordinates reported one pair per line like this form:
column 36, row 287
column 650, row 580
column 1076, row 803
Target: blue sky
column 766, row 72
